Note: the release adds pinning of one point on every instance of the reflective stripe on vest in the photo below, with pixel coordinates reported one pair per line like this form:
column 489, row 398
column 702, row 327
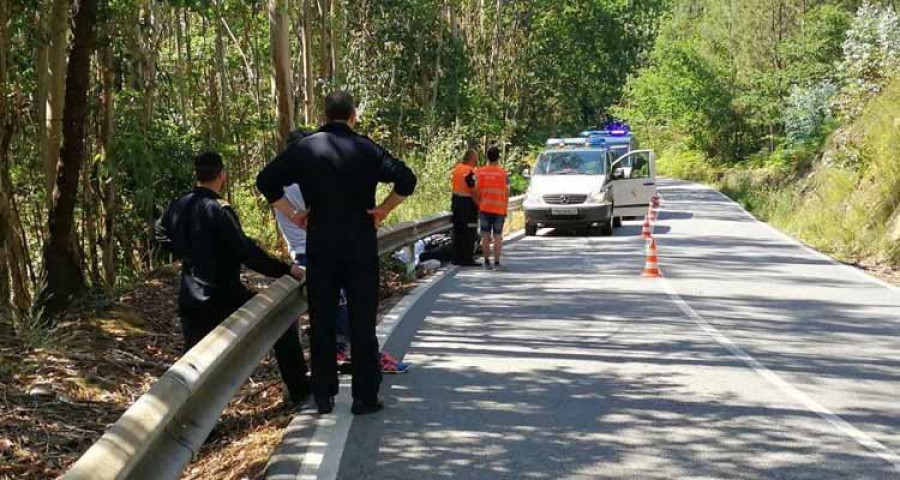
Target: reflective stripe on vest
column 458, row 180
column 493, row 191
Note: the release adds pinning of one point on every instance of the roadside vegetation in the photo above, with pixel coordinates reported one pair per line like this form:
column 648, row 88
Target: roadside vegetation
column 789, row 107
column 103, row 103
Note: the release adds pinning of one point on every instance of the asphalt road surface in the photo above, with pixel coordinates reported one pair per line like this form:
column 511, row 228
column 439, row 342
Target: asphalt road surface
column 754, row 358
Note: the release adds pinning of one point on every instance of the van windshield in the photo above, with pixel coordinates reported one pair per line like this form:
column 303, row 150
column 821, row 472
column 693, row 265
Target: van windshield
column 575, row 162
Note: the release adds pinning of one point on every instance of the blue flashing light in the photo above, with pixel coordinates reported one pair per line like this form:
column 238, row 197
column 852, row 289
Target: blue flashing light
column 618, row 129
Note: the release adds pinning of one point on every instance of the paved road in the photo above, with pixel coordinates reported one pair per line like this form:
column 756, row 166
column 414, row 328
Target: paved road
column 754, row 358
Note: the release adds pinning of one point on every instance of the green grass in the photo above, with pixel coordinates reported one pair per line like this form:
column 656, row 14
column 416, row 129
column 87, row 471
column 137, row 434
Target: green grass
column 846, row 204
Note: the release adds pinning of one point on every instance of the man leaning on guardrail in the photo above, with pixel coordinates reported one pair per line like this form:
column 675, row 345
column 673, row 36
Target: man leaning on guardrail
column 203, row 231
column 338, row 172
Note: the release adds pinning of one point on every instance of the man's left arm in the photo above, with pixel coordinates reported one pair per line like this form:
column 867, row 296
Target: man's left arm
column 282, row 171
column 162, row 232
column 392, row 170
column 246, row 250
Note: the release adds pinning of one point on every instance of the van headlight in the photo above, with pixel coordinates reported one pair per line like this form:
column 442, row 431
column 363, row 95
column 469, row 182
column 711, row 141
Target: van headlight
column 532, row 197
column 603, row 196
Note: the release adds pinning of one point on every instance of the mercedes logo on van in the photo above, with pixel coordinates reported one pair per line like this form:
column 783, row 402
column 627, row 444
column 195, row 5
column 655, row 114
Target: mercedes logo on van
column 563, row 199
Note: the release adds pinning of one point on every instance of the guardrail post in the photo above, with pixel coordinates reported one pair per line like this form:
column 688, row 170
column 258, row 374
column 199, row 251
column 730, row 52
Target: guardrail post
column 410, row 264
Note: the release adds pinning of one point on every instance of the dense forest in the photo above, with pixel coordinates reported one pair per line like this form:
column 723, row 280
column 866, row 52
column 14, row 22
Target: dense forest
column 104, row 102
column 789, row 106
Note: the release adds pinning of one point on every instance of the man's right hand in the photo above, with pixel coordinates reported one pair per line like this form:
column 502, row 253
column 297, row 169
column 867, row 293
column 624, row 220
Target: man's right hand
column 298, row 272
column 300, row 218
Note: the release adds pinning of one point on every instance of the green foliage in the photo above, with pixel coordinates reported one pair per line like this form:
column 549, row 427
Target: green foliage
column 682, row 162
column 517, row 184
column 852, row 211
column 680, row 98
column 812, row 51
column 807, row 112
column 871, row 55
column 31, row 329
column 731, row 79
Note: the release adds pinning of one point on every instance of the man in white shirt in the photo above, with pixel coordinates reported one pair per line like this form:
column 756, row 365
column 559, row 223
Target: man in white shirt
column 293, row 235
column 296, row 240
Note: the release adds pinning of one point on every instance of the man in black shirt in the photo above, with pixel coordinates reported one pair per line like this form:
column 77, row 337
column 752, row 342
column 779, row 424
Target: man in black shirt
column 203, row 230
column 338, row 172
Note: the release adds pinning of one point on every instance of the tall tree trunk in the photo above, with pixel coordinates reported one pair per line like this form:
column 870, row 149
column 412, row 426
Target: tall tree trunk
column 62, row 276
column 336, row 27
column 281, row 69
column 51, row 77
column 10, row 223
column 4, row 284
column 222, row 79
column 108, row 187
column 325, row 40
column 310, row 100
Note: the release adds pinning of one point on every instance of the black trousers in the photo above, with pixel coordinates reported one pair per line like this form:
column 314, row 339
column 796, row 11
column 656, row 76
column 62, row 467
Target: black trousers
column 197, row 321
column 344, row 257
column 465, row 216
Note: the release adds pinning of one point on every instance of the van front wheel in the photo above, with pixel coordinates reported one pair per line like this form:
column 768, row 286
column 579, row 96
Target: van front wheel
column 606, row 228
column 530, row 229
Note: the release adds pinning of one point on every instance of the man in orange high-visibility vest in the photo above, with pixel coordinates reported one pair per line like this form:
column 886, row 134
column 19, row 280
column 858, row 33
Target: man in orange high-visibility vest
column 465, row 210
column 492, row 191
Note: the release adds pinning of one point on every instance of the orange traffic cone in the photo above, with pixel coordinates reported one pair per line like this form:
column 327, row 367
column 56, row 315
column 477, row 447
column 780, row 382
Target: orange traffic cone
column 645, row 232
column 651, row 269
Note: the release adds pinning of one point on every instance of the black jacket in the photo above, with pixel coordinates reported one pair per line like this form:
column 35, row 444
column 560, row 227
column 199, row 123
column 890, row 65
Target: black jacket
column 204, row 232
column 338, row 171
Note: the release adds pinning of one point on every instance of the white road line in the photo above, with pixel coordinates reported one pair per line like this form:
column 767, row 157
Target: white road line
column 837, row 422
column 857, row 271
column 322, row 460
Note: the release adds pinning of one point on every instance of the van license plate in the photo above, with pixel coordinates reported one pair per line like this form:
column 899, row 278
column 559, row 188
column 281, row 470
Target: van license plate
column 564, row 211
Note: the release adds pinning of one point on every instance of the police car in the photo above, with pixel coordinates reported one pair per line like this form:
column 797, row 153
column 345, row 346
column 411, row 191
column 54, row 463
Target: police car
column 593, row 181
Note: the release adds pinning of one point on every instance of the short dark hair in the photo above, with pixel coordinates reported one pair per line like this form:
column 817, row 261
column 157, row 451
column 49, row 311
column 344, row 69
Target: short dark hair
column 339, row 106
column 469, row 154
column 493, row 154
column 208, row 166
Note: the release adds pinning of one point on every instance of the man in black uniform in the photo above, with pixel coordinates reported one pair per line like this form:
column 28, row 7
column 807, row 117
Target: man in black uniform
column 203, row 231
column 338, row 171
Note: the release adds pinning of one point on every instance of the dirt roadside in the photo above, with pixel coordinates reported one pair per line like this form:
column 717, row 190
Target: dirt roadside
column 55, row 401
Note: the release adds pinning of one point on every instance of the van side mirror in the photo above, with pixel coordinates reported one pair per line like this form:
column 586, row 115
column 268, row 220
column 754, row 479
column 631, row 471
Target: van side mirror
column 618, row 174
column 526, row 172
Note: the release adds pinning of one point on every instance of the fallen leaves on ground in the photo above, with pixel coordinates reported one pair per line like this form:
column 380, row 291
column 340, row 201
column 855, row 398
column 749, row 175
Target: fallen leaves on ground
column 55, row 402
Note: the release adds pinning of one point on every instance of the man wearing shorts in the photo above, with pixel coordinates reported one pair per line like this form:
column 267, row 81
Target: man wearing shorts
column 492, row 192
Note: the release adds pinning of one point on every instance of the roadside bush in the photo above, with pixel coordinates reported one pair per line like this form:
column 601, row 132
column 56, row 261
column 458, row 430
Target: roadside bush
column 807, row 112
column 686, row 163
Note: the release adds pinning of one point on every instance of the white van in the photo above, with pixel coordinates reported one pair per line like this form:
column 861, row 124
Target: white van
column 584, row 186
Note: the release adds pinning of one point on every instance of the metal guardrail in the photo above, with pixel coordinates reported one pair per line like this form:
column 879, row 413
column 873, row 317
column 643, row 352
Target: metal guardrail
column 162, row 431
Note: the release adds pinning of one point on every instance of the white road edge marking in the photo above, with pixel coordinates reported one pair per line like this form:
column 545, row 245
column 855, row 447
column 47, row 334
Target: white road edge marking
column 822, row 411
column 857, row 271
column 326, row 447
column 837, row 422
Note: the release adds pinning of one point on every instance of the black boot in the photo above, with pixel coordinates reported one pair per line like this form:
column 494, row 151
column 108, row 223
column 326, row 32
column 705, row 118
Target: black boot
column 325, row 405
column 363, row 408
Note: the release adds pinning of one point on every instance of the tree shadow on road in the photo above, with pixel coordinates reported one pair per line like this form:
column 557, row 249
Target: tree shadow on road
column 575, row 376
